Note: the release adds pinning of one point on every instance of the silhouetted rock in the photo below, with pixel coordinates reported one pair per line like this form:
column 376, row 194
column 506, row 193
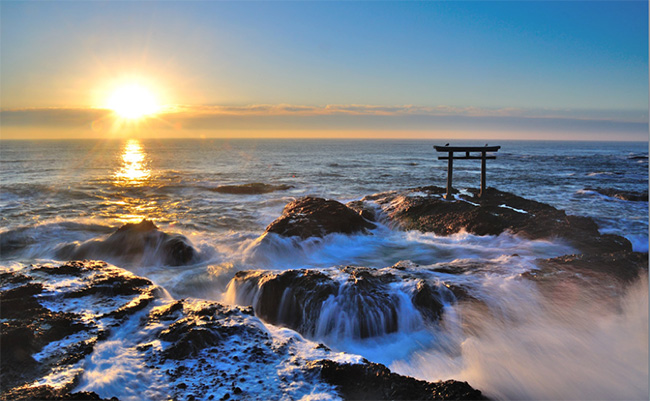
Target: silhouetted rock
column 316, row 217
column 254, row 188
column 135, row 243
column 373, row 381
column 425, row 209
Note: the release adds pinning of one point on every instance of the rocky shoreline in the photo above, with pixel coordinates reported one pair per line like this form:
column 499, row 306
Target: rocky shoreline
column 54, row 316
column 202, row 349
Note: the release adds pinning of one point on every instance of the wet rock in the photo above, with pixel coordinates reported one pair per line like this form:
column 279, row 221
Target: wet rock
column 112, row 285
column 255, row 188
column 196, row 329
column 316, row 217
column 351, row 301
column 372, row 381
column 620, row 194
column 188, row 340
column 72, row 268
column 133, row 242
column 425, row 300
column 364, row 209
column 306, row 291
column 48, row 393
column 425, row 209
column 62, row 339
column 26, row 328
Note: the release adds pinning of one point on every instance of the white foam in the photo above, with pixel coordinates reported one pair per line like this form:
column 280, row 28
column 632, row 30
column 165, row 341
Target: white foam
column 117, row 368
column 515, row 209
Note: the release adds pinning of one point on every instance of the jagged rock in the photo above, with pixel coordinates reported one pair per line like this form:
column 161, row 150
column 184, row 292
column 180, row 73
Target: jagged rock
column 195, row 329
column 255, row 188
column 373, row 381
column 365, row 210
column 356, row 300
column 131, row 243
column 316, row 217
column 48, row 393
column 28, row 326
column 424, row 209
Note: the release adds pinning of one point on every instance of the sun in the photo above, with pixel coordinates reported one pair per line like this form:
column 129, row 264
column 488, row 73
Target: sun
column 133, row 101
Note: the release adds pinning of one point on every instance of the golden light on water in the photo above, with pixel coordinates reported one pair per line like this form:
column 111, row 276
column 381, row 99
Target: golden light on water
column 134, row 170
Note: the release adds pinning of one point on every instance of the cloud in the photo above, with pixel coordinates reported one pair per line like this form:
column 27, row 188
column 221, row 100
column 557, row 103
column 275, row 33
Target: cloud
column 350, row 117
column 54, row 117
column 402, row 110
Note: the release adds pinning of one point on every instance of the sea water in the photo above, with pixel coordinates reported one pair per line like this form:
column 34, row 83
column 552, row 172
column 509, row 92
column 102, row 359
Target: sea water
column 524, row 346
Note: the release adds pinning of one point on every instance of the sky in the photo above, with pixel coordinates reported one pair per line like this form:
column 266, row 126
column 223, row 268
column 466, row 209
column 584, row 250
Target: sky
column 503, row 70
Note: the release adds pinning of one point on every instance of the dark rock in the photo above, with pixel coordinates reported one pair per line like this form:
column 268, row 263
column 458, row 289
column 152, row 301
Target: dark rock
column 131, row 243
column 425, row 300
column 12, row 278
column 190, row 341
column 48, row 393
column 167, row 312
column 199, row 329
column 254, row 188
column 493, row 214
column 72, row 268
column 113, row 285
column 372, row 381
column 28, row 326
column 620, row 194
column 364, row 209
column 296, row 299
column 316, row 217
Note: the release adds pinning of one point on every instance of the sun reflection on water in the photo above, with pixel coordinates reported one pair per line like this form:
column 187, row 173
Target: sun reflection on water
column 132, row 202
column 134, row 170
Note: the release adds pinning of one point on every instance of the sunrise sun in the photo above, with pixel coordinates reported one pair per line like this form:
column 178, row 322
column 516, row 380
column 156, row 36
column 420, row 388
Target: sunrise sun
column 133, row 102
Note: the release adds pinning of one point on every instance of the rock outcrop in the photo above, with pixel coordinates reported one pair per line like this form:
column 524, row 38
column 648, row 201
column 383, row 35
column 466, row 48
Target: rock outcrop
column 135, row 243
column 254, row 188
column 373, row 381
column 55, row 317
column 315, row 217
column 425, row 209
column 350, row 302
column 32, row 320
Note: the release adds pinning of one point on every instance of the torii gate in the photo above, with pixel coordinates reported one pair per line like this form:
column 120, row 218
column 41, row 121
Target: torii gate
column 467, row 150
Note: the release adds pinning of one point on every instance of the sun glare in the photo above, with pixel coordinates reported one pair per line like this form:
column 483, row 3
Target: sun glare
column 133, row 102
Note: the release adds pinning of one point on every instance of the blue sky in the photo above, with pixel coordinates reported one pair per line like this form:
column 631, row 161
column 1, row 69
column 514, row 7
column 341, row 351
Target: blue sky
column 499, row 60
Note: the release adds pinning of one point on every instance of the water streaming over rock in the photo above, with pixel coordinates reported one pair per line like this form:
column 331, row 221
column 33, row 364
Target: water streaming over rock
column 510, row 314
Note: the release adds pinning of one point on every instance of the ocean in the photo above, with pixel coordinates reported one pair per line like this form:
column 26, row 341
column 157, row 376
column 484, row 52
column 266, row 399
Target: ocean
column 62, row 192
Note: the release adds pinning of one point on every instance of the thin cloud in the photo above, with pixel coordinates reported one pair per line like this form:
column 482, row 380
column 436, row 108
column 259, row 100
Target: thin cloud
column 336, row 116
